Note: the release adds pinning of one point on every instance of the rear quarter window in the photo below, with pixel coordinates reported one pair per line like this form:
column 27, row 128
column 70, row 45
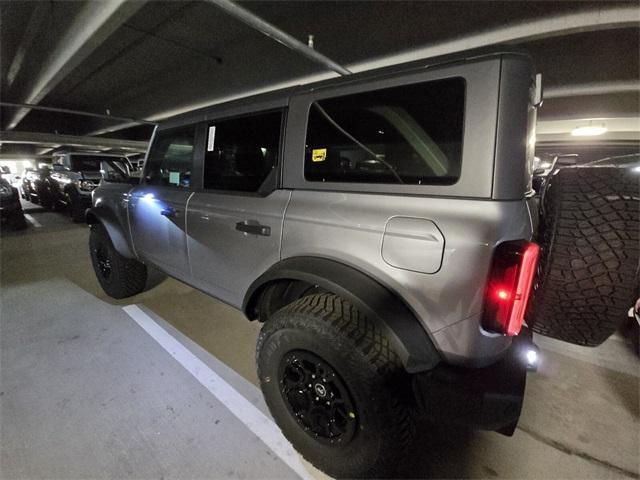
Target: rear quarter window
column 410, row 134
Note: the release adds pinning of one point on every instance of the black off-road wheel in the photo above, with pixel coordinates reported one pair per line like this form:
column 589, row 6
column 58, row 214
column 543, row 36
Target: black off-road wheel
column 120, row 277
column 335, row 387
column 589, row 254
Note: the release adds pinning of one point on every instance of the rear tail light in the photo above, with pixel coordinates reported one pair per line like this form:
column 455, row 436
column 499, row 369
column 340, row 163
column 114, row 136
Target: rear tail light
column 509, row 286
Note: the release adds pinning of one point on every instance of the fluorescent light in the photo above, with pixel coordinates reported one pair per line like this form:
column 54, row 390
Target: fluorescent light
column 588, row 131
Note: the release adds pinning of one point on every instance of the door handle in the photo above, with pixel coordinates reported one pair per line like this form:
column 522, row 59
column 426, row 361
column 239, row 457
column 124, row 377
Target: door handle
column 168, row 212
column 253, row 228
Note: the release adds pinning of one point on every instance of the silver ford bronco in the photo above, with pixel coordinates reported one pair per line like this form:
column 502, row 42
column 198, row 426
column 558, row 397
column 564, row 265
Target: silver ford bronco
column 378, row 225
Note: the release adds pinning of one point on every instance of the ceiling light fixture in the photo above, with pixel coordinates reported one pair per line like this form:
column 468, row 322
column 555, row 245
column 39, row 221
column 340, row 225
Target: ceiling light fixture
column 588, row 131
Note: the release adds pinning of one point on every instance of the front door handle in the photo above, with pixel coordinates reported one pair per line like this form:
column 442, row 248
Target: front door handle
column 168, row 212
column 253, row 228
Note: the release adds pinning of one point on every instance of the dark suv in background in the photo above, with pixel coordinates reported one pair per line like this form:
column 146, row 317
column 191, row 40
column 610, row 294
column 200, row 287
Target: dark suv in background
column 73, row 177
column 11, row 213
column 34, row 184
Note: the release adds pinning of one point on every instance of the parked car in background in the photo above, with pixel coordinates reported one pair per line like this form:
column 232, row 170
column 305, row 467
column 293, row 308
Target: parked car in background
column 34, row 184
column 73, row 177
column 11, row 213
column 9, row 176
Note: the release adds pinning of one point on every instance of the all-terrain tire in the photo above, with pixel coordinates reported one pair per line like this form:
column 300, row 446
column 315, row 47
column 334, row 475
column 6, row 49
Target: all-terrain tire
column 120, row 277
column 76, row 210
column 589, row 254
column 334, row 331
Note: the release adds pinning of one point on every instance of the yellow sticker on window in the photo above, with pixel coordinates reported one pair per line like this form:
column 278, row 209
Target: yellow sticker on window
column 318, row 154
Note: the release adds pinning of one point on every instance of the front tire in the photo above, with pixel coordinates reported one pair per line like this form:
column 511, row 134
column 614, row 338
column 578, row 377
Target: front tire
column 355, row 419
column 119, row 277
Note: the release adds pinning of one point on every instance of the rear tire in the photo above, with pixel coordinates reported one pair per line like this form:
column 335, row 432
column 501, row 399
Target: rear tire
column 589, row 254
column 120, row 277
column 367, row 426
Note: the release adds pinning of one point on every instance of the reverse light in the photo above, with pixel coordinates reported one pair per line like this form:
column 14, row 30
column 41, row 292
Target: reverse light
column 509, row 286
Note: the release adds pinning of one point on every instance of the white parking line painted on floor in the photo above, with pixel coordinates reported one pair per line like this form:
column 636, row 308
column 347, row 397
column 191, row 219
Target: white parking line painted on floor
column 256, row 421
column 32, row 220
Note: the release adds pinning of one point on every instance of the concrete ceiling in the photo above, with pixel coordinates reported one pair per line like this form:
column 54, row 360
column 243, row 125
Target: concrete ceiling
column 153, row 59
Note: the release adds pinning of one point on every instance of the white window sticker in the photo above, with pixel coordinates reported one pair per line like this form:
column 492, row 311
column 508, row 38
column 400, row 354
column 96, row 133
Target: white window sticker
column 174, row 178
column 212, row 138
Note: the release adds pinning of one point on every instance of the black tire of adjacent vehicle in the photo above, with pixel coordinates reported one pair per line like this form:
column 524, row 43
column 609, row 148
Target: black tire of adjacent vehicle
column 45, row 197
column 332, row 329
column 589, row 254
column 76, row 209
column 17, row 220
column 127, row 276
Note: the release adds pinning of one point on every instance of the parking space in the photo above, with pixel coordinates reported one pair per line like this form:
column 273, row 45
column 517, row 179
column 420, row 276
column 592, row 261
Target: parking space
column 320, row 239
column 86, row 392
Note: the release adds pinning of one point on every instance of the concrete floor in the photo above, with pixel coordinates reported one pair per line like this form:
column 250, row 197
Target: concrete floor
column 85, row 392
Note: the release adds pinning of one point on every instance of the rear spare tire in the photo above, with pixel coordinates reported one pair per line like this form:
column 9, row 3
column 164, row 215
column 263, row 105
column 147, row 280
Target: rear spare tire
column 589, row 254
column 120, row 277
column 335, row 387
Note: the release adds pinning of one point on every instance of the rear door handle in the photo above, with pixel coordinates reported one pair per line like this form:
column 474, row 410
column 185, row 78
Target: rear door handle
column 253, row 228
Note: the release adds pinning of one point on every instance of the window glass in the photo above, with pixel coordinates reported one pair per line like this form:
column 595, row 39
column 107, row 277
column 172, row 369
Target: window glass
column 242, row 152
column 171, row 158
column 410, row 134
column 85, row 163
column 114, row 170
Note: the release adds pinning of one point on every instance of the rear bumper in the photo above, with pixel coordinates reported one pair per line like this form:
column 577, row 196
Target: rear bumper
column 488, row 398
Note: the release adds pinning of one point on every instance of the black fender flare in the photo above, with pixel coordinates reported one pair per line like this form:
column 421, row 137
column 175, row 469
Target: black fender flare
column 108, row 219
column 390, row 313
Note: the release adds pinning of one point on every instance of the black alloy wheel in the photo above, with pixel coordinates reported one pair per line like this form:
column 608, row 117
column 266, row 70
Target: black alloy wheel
column 317, row 397
column 103, row 261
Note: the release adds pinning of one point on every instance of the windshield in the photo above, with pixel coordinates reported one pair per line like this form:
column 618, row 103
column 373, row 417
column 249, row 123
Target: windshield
column 86, row 163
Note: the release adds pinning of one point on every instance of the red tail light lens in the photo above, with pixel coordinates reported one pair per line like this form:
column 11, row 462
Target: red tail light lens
column 509, row 286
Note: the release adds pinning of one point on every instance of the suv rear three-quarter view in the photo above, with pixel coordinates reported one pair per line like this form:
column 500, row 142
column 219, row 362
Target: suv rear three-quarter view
column 378, row 225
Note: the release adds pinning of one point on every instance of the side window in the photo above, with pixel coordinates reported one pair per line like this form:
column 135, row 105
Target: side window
column 242, row 152
column 171, row 158
column 410, row 134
